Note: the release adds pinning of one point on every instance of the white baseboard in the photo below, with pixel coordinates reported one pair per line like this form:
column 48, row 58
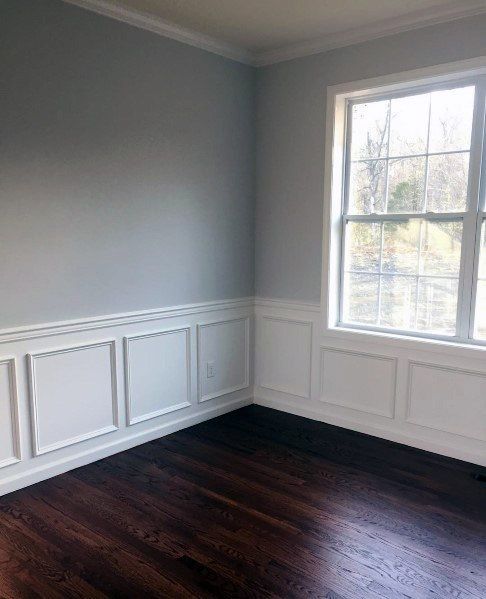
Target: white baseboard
column 374, row 431
column 407, row 393
column 77, row 391
column 60, row 466
column 138, row 376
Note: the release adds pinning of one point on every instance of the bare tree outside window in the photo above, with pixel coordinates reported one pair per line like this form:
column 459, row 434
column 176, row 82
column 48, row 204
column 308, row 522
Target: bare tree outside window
column 407, row 193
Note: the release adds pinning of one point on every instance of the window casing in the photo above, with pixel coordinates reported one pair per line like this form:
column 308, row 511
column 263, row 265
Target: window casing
column 413, row 226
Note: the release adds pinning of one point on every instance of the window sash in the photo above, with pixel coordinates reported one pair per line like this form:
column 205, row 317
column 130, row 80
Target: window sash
column 472, row 218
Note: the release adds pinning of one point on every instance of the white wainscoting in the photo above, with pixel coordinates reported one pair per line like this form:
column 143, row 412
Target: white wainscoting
column 226, row 345
column 9, row 417
column 284, row 349
column 428, row 396
column 447, row 399
column 357, row 380
column 158, row 373
column 73, row 395
column 89, row 388
column 85, row 389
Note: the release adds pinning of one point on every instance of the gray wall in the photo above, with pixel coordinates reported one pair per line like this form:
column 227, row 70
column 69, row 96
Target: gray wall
column 291, row 105
column 126, row 168
column 127, row 162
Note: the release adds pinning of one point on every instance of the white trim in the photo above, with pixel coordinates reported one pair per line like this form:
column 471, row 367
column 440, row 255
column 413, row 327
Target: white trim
column 116, row 445
column 164, row 28
column 355, row 406
column 451, row 369
column 31, row 359
column 126, row 360
column 309, row 325
column 416, row 20
column 14, row 412
column 22, row 333
column 202, row 398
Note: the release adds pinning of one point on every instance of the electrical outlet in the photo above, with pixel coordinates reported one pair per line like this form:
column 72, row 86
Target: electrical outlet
column 210, row 370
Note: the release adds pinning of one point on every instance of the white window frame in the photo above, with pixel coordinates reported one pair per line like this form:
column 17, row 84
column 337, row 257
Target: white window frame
column 338, row 100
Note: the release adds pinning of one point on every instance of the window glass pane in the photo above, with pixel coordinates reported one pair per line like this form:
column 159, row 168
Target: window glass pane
column 370, row 129
column 437, row 305
column 367, row 187
column 410, row 273
column 406, row 191
column 440, row 250
column 451, row 119
column 409, row 125
column 363, row 246
column 397, row 306
column 401, row 247
column 480, row 322
column 447, row 182
column 480, row 316
column 361, row 298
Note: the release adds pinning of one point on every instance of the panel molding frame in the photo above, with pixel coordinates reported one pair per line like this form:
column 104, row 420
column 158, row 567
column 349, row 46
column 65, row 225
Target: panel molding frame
column 390, row 415
column 451, row 369
column 14, row 412
column 199, row 327
column 127, row 339
column 38, row 450
column 282, row 388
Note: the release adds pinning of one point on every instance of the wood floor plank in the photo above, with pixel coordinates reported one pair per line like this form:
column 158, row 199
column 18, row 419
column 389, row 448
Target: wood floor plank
column 256, row 503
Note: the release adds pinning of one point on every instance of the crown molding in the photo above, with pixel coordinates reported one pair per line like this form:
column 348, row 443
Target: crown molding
column 415, row 20
column 159, row 26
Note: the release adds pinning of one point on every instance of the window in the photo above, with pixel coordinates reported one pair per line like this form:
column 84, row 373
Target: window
column 413, row 257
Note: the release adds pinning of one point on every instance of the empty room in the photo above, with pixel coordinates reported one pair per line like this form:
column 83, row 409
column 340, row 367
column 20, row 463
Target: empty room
column 243, row 299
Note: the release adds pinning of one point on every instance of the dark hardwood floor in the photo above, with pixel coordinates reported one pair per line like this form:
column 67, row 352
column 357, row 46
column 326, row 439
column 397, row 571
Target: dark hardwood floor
column 256, row 503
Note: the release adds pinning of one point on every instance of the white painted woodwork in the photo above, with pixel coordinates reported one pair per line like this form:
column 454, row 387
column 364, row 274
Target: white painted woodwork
column 157, row 370
column 80, row 379
column 359, row 381
column 447, row 399
column 284, row 355
column 364, row 382
column 439, row 400
column 9, row 428
column 73, row 395
column 226, row 343
column 262, row 37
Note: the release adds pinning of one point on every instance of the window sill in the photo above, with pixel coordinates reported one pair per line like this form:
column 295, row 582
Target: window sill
column 474, row 349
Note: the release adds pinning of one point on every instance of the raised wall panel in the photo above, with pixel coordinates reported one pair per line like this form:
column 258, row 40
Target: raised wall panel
column 360, row 381
column 157, row 369
column 447, row 399
column 225, row 344
column 284, row 355
column 9, row 424
column 73, row 395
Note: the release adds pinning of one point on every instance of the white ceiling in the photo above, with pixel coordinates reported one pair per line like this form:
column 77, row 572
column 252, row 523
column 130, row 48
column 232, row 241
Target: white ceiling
column 262, row 28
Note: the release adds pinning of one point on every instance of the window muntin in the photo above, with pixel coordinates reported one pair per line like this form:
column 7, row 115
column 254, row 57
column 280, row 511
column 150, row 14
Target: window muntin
column 405, row 213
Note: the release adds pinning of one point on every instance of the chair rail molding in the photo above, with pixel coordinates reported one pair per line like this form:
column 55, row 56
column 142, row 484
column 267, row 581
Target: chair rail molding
column 88, row 388
column 53, row 371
